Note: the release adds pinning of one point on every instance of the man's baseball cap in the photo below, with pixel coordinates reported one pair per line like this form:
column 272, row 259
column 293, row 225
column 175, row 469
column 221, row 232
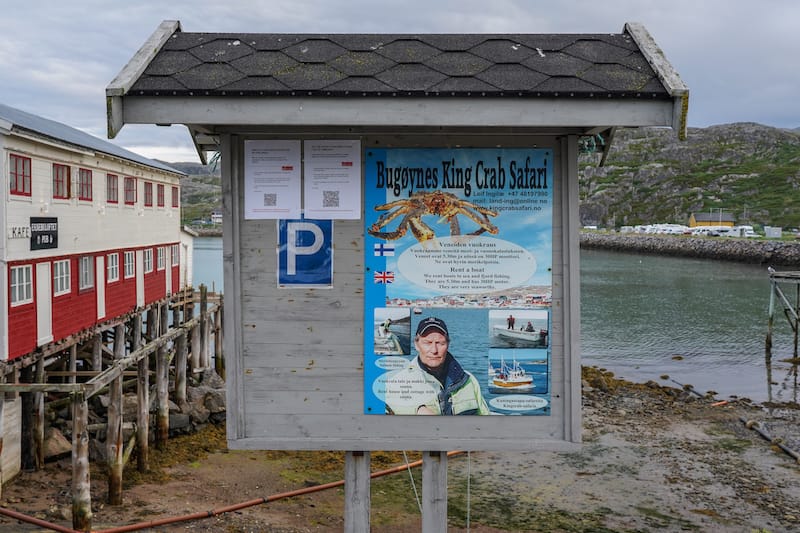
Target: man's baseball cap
column 431, row 324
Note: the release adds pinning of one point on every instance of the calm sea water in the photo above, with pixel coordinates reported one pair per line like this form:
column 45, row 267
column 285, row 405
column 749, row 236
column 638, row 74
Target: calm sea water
column 644, row 317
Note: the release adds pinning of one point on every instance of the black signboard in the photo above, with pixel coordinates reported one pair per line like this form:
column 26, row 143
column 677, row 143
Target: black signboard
column 44, row 233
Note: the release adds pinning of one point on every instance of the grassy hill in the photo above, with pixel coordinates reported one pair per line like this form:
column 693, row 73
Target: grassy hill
column 746, row 169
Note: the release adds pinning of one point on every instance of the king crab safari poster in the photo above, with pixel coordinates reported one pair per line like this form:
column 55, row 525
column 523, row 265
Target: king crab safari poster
column 458, row 285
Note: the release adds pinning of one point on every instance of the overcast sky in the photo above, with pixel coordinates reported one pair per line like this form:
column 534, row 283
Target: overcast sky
column 740, row 59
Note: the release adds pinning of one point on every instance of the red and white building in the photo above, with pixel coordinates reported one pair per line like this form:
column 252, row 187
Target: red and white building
column 90, row 232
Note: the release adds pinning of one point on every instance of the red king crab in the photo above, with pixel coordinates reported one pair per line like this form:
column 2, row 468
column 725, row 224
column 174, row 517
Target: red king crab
column 443, row 204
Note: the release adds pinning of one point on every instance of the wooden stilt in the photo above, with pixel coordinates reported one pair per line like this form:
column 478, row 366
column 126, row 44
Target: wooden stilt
column 434, row 492
column 2, row 433
column 356, row 492
column 27, row 456
column 81, row 485
column 162, row 391
column 204, row 359
column 114, row 444
column 73, row 362
column 97, row 353
column 38, row 418
column 219, row 357
column 142, row 398
column 180, row 371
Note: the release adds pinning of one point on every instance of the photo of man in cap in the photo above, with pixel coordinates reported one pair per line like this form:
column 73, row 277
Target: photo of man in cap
column 434, row 382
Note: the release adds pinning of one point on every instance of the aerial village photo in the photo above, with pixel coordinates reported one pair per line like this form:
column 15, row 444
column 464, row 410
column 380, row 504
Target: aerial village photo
column 329, row 266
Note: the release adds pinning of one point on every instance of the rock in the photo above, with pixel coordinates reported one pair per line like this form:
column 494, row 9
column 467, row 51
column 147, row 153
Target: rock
column 55, row 444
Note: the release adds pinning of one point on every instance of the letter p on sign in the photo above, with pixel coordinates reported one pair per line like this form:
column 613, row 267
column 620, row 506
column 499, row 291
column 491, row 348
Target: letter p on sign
column 305, row 253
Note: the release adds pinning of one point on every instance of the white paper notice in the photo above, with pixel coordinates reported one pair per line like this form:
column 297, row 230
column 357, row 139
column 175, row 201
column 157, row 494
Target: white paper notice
column 332, row 179
column 271, row 179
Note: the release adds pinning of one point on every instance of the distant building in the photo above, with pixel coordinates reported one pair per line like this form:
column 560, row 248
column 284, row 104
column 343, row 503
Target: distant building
column 90, row 231
column 711, row 219
column 216, row 217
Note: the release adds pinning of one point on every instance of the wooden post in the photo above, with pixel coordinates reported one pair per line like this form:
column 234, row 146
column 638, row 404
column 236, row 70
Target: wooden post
column 152, row 323
column 204, row 359
column 219, row 357
column 73, row 363
column 2, row 432
column 142, row 398
column 768, row 343
column 28, row 462
column 81, row 485
column 114, row 445
column 97, row 353
column 162, row 388
column 38, row 418
column 356, row 492
column 434, row 492
column 180, row 370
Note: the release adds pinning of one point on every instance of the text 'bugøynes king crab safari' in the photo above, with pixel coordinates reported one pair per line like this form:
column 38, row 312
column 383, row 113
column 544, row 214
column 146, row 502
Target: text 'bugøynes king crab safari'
column 443, row 204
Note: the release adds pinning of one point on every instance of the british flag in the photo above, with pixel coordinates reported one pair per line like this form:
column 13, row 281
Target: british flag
column 384, row 277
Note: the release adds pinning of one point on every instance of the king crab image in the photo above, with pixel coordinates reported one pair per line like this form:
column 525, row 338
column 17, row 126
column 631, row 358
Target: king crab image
column 445, row 205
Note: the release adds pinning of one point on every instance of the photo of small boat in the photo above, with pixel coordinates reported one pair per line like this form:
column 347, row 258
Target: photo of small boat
column 388, row 344
column 511, row 377
column 536, row 338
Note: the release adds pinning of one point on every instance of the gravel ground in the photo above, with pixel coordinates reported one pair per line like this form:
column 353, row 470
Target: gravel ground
column 654, row 459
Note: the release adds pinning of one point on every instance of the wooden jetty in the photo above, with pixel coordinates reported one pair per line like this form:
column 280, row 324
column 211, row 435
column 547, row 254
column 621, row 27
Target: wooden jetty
column 167, row 339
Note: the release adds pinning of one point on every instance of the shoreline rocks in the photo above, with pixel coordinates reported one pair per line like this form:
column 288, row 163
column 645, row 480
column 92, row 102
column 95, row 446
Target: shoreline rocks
column 765, row 252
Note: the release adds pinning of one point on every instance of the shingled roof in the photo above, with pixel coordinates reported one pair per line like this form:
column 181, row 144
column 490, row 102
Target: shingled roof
column 621, row 67
column 579, row 65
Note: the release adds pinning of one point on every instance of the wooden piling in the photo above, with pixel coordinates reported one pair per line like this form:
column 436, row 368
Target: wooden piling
column 142, row 398
column 114, row 445
column 204, row 359
column 180, row 370
column 38, row 418
column 219, row 359
column 81, row 484
column 162, row 387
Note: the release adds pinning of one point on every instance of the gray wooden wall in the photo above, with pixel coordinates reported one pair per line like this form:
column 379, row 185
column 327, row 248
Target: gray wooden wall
column 295, row 356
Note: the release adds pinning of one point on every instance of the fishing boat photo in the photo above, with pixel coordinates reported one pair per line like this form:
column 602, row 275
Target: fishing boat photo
column 387, row 344
column 535, row 338
column 511, row 377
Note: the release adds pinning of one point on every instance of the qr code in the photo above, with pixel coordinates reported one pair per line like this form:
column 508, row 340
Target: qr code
column 270, row 200
column 330, row 198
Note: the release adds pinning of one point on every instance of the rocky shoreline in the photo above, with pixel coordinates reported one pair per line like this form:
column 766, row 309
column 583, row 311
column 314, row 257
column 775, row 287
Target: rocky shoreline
column 757, row 251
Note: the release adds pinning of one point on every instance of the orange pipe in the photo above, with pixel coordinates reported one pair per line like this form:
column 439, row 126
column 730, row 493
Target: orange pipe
column 35, row 521
column 257, row 501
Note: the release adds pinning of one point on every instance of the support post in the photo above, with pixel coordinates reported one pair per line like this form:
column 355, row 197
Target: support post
column 28, row 462
column 219, row 357
column 114, row 445
column 180, row 370
column 38, row 418
column 768, row 342
column 204, row 359
column 73, row 363
column 142, row 398
column 356, row 492
column 97, row 353
column 81, row 487
column 2, row 432
column 162, row 387
column 434, row 492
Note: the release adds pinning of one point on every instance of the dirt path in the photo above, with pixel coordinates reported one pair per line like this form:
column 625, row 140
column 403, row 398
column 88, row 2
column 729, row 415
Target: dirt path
column 654, row 459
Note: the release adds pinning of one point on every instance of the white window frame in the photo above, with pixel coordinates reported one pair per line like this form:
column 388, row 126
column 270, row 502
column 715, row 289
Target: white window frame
column 148, row 260
column 21, row 282
column 86, row 272
column 130, row 264
column 176, row 255
column 162, row 258
column 62, row 277
column 112, row 267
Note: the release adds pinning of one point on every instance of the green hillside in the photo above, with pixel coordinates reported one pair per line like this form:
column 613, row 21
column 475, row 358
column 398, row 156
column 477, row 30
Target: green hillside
column 748, row 170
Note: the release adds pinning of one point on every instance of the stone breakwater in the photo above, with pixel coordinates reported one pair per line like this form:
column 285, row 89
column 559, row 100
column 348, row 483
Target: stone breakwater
column 759, row 251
